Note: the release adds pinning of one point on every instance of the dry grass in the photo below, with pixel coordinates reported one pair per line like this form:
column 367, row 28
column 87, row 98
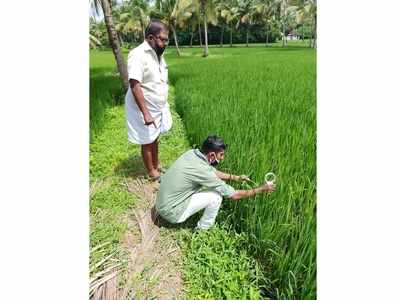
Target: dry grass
column 154, row 270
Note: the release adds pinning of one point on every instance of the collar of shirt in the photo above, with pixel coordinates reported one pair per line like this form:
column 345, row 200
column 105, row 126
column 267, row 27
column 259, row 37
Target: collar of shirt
column 201, row 155
column 147, row 47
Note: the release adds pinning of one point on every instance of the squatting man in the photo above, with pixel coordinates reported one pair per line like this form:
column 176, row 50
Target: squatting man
column 193, row 183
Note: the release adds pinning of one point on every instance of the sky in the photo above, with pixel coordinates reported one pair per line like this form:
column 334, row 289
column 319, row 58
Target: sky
column 99, row 17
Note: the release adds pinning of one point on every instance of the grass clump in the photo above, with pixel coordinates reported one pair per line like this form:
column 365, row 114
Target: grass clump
column 219, row 267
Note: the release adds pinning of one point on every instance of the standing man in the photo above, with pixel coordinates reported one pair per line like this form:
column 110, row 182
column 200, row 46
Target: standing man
column 192, row 184
column 146, row 107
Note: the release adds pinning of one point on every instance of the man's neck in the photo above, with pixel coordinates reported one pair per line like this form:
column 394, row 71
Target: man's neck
column 158, row 56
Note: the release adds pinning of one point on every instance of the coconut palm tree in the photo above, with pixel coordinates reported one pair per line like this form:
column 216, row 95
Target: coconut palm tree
column 287, row 16
column 264, row 13
column 246, row 13
column 140, row 12
column 130, row 20
column 120, row 18
column 307, row 13
column 283, row 13
column 229, row 12
column 174, row 13
column 98, row 33
column 208, row 14
column 113, row 38
column 193, row 22
column 222, row 22
column 93, row 41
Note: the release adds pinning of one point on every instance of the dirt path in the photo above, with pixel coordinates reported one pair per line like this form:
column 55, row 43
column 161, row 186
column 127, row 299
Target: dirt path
column 146, row 262
column 155, row 263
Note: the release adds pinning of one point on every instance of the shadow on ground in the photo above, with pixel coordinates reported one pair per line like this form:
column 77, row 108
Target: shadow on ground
column 131, row 167
column 188, row 224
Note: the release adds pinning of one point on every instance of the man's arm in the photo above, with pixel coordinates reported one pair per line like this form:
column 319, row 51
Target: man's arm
column 225, row 176
column 239, row 194
column 139, row 98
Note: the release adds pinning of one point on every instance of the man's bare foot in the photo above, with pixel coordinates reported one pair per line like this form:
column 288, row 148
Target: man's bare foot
column 154, row 175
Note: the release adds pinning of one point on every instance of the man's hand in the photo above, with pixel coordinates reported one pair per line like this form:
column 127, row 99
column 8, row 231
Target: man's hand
column 268, row 187
column 148, row 120
column 244, row 178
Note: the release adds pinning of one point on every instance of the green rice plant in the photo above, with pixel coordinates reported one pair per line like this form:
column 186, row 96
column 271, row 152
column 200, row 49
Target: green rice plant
column 263, row 103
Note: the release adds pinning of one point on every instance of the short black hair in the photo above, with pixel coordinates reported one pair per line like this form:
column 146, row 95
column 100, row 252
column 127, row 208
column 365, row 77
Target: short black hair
column 155, row 27
column 213, row 143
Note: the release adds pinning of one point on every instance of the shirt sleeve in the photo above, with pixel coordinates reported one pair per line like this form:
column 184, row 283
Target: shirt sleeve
column 210, row 180
column 135, row 67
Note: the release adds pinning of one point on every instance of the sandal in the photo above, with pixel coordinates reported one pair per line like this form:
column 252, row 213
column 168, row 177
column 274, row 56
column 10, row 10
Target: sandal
column 161, row 170
column 154, row 179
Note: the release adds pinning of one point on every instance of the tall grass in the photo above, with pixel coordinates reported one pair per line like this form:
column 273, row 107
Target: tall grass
column 105, row 88
column 262, row 102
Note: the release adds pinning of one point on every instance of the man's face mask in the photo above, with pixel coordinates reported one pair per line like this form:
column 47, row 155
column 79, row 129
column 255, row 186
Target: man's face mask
column 159, row 50
column 214, row 162
column 160, row 43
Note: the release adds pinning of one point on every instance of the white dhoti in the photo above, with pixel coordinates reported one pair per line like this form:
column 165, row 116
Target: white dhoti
column 151, row 71
column 138, row 132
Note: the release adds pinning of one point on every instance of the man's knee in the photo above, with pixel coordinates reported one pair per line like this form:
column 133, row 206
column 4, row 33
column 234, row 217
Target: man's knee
column 216, row 199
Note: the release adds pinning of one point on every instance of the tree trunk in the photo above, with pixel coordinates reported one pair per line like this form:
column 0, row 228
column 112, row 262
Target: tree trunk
column 176, row 41
column 266, row 35
column 205, row 54
column 144, row 32
column 114, row 43
column 121, row 42
column 283, row 17
column 222, row 35
column 200, row 38
column 231, row 34
column 247, row 35
column 311, row 32
column 191, row 36
column 315, row 31
column 284, row 34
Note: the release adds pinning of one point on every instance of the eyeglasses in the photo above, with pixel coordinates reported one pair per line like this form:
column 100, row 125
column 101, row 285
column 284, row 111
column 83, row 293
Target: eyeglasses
column 165, row 41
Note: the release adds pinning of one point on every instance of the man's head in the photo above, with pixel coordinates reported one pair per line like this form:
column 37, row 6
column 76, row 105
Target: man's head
column 214, row 149
column 157, row 36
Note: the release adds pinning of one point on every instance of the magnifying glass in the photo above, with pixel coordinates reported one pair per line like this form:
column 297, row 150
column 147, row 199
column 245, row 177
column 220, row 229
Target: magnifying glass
column 269, row 178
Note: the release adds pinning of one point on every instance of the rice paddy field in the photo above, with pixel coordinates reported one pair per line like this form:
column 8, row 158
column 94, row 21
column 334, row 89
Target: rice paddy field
column 262, row 101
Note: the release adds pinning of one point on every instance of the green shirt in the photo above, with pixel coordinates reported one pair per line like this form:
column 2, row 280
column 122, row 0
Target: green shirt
column 188, row 175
